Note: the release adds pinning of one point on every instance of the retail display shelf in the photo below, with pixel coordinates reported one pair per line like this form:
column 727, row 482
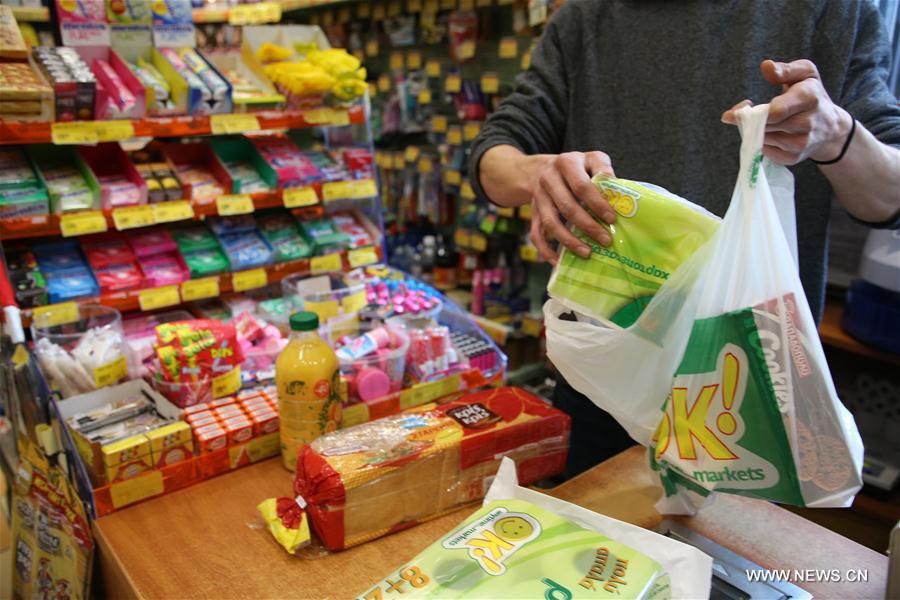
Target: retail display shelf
column 306, row 200
column 210, row 287
column 87, row 132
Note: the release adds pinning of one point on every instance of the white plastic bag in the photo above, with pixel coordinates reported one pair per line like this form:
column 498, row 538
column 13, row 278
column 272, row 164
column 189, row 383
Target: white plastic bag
column 723, row 375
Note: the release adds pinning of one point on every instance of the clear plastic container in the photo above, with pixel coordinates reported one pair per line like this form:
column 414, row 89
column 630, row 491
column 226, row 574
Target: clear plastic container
column 340, row 295
column 81, row 349
column 374, row 375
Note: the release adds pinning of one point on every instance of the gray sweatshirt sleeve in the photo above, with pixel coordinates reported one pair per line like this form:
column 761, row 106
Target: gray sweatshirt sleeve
column 865, row 93
column 533, row 117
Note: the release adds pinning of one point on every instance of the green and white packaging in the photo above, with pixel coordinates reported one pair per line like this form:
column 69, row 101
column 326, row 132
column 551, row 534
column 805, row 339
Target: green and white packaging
column 655, row 231
column 524, row 544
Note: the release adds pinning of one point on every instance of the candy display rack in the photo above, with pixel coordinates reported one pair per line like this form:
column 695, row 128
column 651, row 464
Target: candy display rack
column 212, row 141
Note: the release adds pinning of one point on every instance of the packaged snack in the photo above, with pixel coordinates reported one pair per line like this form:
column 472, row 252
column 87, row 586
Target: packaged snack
column 73, row 82
column 235, row 224
column 204, row 263
column 12, row 46
column 655, row 232
column 197, row 350
column 524, row 544
column 107, row 251
column 70, row 284
column 119, row 278
column 366, row 481
column 53, row 545
column 324, row 234
column 151, row 241
column 246, row 250
column 166, row 268
column 194, row 238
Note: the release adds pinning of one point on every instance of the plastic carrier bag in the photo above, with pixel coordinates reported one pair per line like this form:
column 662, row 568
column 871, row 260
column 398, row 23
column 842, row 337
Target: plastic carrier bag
column 723, row 375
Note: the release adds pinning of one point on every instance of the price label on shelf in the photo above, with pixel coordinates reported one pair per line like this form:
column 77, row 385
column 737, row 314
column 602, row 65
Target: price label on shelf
column 355, row 414
column 526, row 61
column 363, row 10
column 325, row 263
column 318, row 116
column 466, row 50
column 509, row 47
column 227, row 384
column 130, row 491
column 490, row 83
column 299, row 196
column 361, row 257
column 325, row 309
column 111, row 373
column 532, row 326
column 461, row 237
column 471, row 130
column 413, row 6
column 371, row 46
column 424, row 97
column 525, row 211
column 454, row 135
column 236, row 123
column 354, row 302
column 466, row 5
column 452, row 84
column 397, row 160
column 425, row 165
column 414, row 60
column 343, row 15
column 466, row 191
column 433, row 68
column 378, row 12
column 384, row 83
column 528, row 253
column 160, row 297
column 430, row 6
column 422, row 393
column 452, row 177
column 82, row 223
column 249, row 280
column 411, row 154
column 396, row 61
column 254, row 14
column 448, row 4
column 438, row 123
column 55, row 314
column 239, row 204
column 478, row 242
column 356, row 189
column 394, row 8
column 482, row 3
column 176, row 210
column 506, row 211
column 73, row 132
column 113, row 131
column 130, row 217
column 198, row 289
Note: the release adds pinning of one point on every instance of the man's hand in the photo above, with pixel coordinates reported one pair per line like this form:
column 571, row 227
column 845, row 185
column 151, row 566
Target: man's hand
column 564, row 187
column 803, row 121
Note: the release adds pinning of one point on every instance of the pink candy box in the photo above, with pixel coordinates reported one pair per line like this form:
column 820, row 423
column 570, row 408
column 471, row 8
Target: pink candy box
column 167, row 268
column 152, row 241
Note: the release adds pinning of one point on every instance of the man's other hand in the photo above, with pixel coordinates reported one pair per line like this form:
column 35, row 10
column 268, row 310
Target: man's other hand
column 564, row 188
column 803, row 121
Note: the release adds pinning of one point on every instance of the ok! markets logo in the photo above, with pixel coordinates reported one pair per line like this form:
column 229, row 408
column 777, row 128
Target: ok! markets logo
column 702, row 425
column 493, row 538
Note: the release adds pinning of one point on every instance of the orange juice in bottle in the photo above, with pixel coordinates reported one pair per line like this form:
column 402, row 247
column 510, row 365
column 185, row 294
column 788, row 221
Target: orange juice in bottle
column 307, row 375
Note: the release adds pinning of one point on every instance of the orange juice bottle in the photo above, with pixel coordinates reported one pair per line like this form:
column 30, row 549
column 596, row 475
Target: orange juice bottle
column 307, row 375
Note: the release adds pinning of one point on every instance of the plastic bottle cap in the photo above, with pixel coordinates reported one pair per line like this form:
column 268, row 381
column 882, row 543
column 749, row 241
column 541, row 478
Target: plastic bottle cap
column 304, row 321
column 372, row 383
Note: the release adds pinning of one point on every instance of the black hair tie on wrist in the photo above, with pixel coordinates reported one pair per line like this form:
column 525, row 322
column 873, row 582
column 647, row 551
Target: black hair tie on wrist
column 843, row 150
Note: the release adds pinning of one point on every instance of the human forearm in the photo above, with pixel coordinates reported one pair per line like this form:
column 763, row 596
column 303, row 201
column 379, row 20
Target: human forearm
column 867, row 179
column 508, row 176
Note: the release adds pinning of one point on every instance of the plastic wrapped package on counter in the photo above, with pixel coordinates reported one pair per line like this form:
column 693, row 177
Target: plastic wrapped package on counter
column 361, row 483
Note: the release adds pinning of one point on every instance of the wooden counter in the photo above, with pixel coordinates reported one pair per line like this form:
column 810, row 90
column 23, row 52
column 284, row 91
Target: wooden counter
column 208, row 541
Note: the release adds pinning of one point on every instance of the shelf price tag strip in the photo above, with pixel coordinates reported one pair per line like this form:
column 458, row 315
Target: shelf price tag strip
column 249, row 280
column 82, row 223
